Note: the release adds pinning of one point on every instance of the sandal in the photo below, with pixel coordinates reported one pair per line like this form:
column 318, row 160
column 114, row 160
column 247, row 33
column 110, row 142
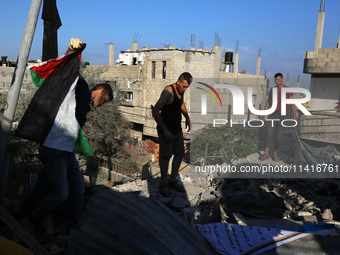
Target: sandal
column 176, row 186
column 275, row 157
column 164, row 190
column 263, row 157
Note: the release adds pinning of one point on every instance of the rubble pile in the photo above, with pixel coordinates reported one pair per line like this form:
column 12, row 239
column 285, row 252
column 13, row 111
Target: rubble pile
column 211, row 198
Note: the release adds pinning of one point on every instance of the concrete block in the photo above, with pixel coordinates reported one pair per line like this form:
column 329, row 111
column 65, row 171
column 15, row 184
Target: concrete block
column 332, row 64
column 321, row 64
column 322, row 55
column 327, row 50
column 325, row 60
column 336, row 58
column 312, row 218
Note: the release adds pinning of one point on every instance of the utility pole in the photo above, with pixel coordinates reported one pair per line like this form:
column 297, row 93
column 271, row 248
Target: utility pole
column 14, row 92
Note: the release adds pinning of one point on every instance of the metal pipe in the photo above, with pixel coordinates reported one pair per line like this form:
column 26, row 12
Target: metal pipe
column 16, row 83
column 322, row 6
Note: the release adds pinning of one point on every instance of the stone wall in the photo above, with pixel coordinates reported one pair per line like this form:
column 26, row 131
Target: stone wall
column 6, row 75
column 327, row 61
column 325, row 70
column 320, row 126
column 323, row 124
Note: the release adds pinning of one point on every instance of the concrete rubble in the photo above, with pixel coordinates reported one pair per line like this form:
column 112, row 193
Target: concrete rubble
column 211, row 198
column 301, row 205
column 295, row 204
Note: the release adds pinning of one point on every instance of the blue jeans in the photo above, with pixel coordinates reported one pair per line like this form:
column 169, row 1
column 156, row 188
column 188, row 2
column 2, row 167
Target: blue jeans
column 62, row 172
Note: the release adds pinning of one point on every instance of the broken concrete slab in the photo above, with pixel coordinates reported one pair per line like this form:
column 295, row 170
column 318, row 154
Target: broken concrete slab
column 311, row 218
column 207, row 197
column 327, row 214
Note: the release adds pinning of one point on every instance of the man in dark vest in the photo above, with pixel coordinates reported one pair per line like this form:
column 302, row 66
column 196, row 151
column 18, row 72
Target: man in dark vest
column 168, row 114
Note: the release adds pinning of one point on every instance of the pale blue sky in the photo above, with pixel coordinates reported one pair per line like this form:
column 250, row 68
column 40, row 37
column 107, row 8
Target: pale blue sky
column 284, row 29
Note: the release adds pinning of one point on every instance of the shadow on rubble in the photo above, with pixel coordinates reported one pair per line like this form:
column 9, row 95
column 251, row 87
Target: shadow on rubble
column 175, row 200
column 130, row 223
column 302, row 202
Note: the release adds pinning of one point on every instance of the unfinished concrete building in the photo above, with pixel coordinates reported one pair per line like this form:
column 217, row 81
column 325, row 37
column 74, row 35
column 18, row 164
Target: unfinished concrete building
column 143, row 73
column 324, row 66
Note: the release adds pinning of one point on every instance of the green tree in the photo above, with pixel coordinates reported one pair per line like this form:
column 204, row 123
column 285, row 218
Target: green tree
column 106, row 127
column 223, row 144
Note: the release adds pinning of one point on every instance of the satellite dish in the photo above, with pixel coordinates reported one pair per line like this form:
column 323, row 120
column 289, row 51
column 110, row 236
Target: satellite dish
column 243, row 71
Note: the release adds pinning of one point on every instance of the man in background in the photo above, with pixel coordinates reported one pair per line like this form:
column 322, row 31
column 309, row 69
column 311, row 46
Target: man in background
column 275, row 126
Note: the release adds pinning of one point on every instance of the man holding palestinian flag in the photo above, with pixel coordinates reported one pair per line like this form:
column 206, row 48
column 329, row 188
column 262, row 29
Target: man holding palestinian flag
column 54, row 119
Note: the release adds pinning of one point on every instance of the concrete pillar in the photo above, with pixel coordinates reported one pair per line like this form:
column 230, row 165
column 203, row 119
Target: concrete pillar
column 134, row 46
column 217, row 51
column 236, row 63
column 258, row 65
column 223, row 65
column 319, row 32
column 287, row 80
column 111, row 54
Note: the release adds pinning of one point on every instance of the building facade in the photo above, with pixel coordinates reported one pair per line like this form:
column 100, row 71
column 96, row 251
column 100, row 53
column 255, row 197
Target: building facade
column 142, row 75
column 324, row 67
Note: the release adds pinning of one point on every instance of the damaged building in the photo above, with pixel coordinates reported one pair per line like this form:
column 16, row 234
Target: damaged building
column 324, row 67
column 143, row 73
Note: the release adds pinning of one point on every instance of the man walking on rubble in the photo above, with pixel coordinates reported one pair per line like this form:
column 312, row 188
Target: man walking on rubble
column 168, row 114
column 54, row 118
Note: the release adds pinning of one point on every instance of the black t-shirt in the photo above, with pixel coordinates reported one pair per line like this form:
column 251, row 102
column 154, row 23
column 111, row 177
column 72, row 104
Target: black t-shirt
column 171, row 114
column 83, row 99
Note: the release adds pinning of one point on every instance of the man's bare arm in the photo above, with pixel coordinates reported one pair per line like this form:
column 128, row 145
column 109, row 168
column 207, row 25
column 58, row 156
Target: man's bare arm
column 164, row 98
column 186, row 115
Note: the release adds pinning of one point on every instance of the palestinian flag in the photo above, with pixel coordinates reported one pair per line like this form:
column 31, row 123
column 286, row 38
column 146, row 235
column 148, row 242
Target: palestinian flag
column 50, row 118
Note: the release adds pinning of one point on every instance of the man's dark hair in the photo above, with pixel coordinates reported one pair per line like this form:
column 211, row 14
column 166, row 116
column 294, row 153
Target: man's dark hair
column 185, row 77
column 107, row 88
column 278, row 74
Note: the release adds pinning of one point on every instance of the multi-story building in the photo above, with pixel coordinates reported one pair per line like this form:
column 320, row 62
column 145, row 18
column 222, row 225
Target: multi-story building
column 142, row 74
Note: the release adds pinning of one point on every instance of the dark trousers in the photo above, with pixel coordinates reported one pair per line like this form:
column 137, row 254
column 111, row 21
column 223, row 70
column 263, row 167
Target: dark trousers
column 61, row 170
column 274, row 129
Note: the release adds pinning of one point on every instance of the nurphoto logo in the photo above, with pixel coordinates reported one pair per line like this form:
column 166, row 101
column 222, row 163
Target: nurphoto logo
column 238, row 99
column 239, row 103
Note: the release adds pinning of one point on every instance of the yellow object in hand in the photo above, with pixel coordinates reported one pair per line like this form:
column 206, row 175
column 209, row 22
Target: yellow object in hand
column 75, row 43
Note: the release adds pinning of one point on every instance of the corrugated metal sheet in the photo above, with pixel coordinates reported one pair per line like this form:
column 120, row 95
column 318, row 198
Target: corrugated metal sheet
column 126, row 223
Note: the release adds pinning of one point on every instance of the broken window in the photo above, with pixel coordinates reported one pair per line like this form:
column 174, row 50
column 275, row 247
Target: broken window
column 153, row 69
column 164, row 70
column 128, row 96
